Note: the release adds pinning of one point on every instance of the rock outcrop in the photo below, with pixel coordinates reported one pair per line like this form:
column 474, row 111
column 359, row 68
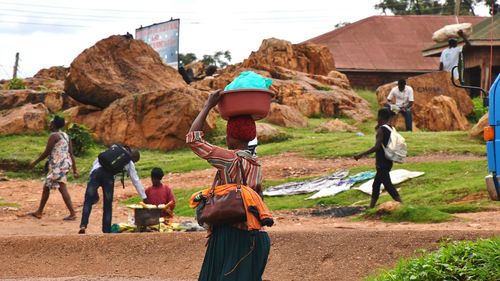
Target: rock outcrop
column 87, row 115
column 306, row 57
column 425, row 88
column 118, row 67
column 477, row 130
column 158, row 120
column 313, row 89
column 335, row 125
column 442, row 114
column 286, row 116
column 54, row 72
column 267, row 133
column 29, row 118
column 54, row 101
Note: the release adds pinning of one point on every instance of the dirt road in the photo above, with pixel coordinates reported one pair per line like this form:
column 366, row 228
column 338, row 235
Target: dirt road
column 303, row 247
column 340, row 254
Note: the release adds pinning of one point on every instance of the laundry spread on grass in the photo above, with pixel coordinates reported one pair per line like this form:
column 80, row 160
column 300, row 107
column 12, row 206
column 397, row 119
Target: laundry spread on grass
column 397, row 176
column 308, row 186
column 342, row 185
column 323, row 186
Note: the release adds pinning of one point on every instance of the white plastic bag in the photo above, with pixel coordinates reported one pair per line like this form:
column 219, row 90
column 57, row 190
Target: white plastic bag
column 451, row 31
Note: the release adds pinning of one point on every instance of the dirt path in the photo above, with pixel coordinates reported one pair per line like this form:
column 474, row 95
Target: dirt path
column 341, row 254
column 27, row 194
column 303, row 247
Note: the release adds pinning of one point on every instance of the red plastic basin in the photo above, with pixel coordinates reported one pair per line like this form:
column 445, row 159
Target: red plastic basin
column 254, row 102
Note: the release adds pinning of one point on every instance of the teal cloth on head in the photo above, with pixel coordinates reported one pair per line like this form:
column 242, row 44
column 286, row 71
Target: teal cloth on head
column 249, row 80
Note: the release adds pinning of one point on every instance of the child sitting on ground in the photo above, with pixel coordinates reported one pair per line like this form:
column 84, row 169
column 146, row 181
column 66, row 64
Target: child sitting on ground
column 382, row 164
column 160, row 193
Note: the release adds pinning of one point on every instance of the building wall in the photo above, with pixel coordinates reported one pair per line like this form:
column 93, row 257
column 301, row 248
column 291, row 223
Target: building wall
column 479, row 57
column 372, row 80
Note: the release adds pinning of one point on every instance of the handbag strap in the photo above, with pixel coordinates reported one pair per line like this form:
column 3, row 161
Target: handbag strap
column 242, row 172
column 242, row 178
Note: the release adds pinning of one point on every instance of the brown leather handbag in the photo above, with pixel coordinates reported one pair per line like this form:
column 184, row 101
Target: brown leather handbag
column 224, row 209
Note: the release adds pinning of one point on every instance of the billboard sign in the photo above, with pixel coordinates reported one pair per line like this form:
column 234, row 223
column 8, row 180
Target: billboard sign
column 164, row 38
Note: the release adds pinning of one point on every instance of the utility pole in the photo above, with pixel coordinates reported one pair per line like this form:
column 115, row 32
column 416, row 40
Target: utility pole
column 16, row 65
column 457, row 7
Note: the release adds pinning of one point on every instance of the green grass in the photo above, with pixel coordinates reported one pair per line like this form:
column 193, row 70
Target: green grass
column 409, row 213
column 24, row 148
column 429, row 198
column 464, row 260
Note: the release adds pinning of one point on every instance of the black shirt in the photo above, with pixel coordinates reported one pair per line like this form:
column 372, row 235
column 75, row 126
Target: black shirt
column 380, row 160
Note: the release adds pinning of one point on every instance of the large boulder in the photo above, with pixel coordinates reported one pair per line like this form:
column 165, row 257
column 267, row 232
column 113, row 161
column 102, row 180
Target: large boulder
column 477, row 130
column 157, row 120
column 87, row 115
column 118, row 67
column 442, row 114
column 54, row 100
column 305, row 57
column 425, row 87
column 286, row 116
column 29, row 118
column 267, row 133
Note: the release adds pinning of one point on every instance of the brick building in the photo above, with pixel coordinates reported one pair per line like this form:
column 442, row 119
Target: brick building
column 381, row 49
column 483, row 53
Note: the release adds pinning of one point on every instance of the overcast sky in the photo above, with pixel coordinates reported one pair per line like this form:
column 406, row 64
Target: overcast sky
column 53, row 32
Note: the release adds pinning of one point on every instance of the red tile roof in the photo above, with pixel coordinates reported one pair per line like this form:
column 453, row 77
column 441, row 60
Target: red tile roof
column 387, row 43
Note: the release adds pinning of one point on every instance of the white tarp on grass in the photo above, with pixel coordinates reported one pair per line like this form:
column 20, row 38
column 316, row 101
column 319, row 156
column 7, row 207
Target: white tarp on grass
column 293, row 188
column 397, row 176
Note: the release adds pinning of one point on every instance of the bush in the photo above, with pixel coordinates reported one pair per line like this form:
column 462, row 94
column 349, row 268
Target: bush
column 81, row 138
column 464, row 260
column 16, row 84
column 479, row 110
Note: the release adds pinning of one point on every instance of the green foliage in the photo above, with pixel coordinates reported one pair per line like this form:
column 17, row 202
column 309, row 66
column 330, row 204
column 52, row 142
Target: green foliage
column 81, row 139
column 465, row 260
column 219, row 58
column 208, row 60
column 188, row 58
column 479, row 110
column 16, row 84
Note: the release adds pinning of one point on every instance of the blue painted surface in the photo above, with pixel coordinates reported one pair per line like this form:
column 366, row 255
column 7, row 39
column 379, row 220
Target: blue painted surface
column 493, row 147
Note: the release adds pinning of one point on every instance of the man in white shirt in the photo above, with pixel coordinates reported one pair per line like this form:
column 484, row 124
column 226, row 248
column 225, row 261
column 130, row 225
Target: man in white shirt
column 101, row 177
column 401, row 99
column 451, row 55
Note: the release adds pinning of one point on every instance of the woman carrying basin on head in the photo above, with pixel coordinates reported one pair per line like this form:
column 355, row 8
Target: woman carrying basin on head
column 233, row 252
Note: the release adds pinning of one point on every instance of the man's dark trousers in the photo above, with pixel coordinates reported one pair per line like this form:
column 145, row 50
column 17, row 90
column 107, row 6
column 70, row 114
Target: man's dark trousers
column 99, row 177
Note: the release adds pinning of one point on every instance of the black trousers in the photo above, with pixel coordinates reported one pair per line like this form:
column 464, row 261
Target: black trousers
column 383, row 177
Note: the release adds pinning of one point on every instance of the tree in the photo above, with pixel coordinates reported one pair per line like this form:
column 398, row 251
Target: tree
column 218, row 58
column 430, row 7
column 208, row 60
column 187, row 58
